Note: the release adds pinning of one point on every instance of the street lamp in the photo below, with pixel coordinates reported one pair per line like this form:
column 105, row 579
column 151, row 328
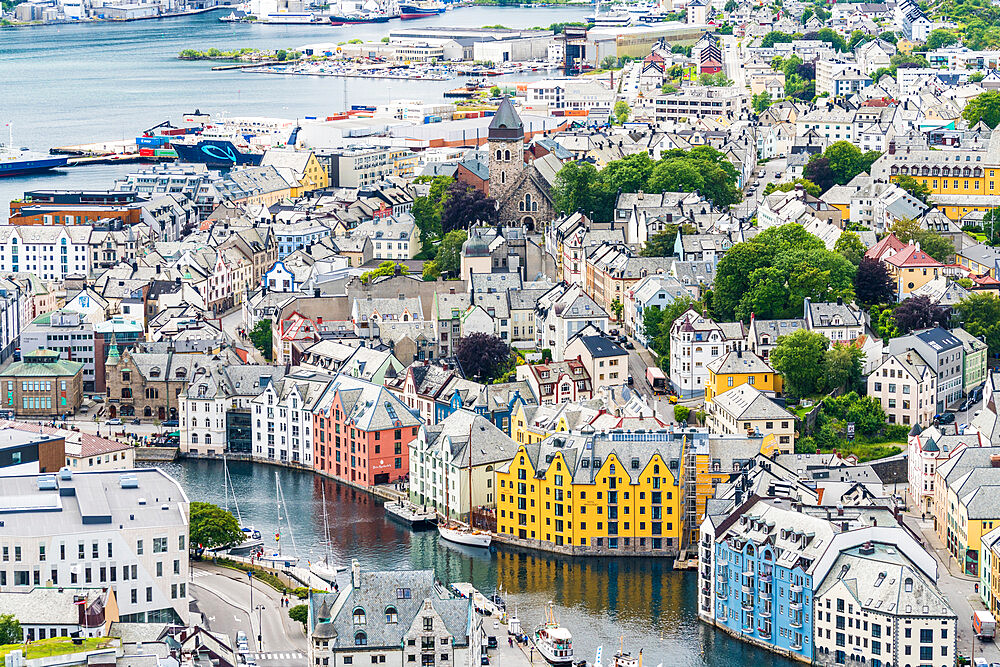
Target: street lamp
column 250, row 618
column 260, row 628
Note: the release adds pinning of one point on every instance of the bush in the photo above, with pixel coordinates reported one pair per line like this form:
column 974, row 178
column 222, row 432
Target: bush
column 681, row 413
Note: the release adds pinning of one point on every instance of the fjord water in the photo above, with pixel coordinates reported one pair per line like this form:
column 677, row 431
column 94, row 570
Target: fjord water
column 72, row 84
column 599, row 600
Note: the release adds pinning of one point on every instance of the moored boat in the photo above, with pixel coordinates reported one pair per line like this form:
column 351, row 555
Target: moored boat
column 466, row 536
column 554, row 642
column 412, row 515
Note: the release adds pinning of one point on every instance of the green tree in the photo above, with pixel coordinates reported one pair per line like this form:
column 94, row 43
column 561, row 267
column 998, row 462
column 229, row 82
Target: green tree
column 431, row 270
column 427, row 209
column 843, row 367
column 212, row 527
column 260, row 336
column 806, row 184
column 937, row 246
column 761, row 101
column 981, row 314
column 799, row 359
column 776, row 37
column 579, row 188
column 629, row 174
column 681, row 413
column 940, row 38
column 617, row 307
column 851, row 247
column 10, row 630
column 676, row 175
column 883, row 323
column 282, row 55
column 385, row 269
column 300, row 613
column 656, row 323
column 730, row 6
column 622, row 112
column 916, row 188
column 609, row 62
column 984, row 107
column 661, row 244
column 495, row 91
column 449, row 254
column 847, row 161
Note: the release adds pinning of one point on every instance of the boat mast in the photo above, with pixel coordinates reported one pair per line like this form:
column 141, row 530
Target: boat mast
column 470, row 473
column 277, row 503
column 291, row 535
column 326, row 523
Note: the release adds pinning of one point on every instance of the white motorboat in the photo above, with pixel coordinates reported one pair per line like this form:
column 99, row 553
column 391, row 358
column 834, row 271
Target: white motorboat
column 554, row 642
column 466, row 536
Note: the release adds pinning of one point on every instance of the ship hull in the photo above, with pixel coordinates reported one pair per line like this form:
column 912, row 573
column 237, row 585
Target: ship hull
column 215, row 153
column 32, row 166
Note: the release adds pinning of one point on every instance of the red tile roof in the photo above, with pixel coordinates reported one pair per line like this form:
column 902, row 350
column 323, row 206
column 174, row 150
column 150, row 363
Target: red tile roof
column 889, row 244
column 910, row 256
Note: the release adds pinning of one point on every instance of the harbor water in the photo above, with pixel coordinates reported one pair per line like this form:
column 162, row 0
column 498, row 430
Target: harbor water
column 602, row 601
column 73, row 84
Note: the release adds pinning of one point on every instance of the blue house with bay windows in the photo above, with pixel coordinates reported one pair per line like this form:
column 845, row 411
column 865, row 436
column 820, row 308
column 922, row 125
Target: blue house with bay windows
column 496, row 402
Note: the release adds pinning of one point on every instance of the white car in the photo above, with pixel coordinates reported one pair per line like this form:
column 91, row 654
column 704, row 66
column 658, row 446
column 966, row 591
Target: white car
column 115, row 422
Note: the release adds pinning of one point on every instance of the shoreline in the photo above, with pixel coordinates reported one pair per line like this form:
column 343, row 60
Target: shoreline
column 41, row 24
column 506, row 542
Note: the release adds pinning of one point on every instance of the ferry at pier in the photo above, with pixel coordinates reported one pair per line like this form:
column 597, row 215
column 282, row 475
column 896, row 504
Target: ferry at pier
column 17, row 161
column 553, row 641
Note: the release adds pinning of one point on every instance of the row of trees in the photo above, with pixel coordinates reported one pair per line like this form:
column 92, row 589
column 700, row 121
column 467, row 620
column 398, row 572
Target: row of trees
column 580, row 186
column 809, row 365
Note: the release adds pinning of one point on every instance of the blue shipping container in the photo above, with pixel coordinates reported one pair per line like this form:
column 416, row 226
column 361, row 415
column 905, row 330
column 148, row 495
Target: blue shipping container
column 150, row 141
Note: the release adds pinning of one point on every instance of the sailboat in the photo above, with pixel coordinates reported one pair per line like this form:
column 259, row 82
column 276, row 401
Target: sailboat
column 553, row 641
column 275, row 558
column 462, row 534
column 322, row 568
column 251, row 536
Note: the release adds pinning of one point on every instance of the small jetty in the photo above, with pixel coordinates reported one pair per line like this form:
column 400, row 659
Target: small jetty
column 414, row 516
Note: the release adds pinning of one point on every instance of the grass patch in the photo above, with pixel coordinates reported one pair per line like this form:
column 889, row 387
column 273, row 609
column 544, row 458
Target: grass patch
column 864, row 450
column 45, row 648
column 258, row 574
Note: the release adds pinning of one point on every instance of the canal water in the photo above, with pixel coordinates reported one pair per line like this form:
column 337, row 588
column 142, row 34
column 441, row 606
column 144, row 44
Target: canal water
column 73, row 84
column 602, row 601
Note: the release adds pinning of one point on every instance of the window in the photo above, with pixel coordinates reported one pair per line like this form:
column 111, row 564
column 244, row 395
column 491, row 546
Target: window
column 360, row 639
column 359, row 616
column 428, row 624
column 390, row 615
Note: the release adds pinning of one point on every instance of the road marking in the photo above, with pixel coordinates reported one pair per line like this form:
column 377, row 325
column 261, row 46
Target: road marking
column 238, row 619
column 211, row 619
column 199, row 573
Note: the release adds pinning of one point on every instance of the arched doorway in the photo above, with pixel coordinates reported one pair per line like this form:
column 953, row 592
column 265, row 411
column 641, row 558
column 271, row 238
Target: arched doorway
column 112, row 411
column 528, row 223
column 159, row 413
column 173, row 413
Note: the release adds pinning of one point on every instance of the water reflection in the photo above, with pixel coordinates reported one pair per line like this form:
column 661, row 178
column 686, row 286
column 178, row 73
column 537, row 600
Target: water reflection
column 605, row 601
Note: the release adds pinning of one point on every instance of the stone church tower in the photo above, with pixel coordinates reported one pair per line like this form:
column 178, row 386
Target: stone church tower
column 506, row 146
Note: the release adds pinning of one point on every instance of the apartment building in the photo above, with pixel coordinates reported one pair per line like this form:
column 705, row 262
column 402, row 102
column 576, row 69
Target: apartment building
column 216, row 414
column 562, row 312
column 925, row 451
column 695, row 102
column 282, row 424
column 695, row 341
column 361, row 166
column 599, row 494
column 906, row 386
column 965, row 506
column 452, row 464
column 361, row 432
column 123, row 530
column 943, row 352
column 745, row 410
column 42, row 385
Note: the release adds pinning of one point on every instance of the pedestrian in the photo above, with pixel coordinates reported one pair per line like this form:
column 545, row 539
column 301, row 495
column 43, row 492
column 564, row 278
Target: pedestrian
column 510, row 641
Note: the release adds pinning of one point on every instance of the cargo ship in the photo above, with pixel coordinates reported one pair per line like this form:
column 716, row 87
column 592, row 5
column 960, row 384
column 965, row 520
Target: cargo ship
column 18, row 161
column 354, row 19
column 420, row 10
column 216, row 153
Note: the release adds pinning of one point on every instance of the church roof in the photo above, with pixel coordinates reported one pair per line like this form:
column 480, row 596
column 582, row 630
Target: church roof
column 506, row 124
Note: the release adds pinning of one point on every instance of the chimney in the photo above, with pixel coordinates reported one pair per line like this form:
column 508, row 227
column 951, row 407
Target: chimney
column 157, row 268
column 316, row 292
column 840, row 301
column 995, row 461
column 355, row 573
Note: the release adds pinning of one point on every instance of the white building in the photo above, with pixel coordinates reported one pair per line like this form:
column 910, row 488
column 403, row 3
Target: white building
column 282, row 417
column 440, row 463
column 925, row 451
column 651, row 292
column 561, row 313
column 50, row 252
column 552, row 94
column 393, row 236
column 876, row 606
column 127, row 530
column 695, row 341
column 906, row 386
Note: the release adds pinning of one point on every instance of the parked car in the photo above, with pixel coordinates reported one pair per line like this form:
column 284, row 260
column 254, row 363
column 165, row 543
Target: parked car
column 631, row 381
column 115, row 422
column 629, row 345
column 945, row 418
column 966, row 404
column 171, row 422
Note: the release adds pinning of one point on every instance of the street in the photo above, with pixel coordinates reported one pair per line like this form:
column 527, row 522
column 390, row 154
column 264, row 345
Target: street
column 958, row 588
column 223, row 598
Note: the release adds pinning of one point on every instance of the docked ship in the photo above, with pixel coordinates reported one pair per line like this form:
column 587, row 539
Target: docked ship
column 553, row 641
column 217, row 153
column 420, row 10
column 17, row 161
column 354, row 19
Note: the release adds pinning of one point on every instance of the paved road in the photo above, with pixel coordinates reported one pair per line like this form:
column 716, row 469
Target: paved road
column 638, row 360
column 223, row 597
column 733, row 61
column 958, row 588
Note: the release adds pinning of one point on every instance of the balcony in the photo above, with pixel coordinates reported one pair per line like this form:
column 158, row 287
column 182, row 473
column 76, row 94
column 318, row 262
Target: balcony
column 748, row 629
column 797, row 606
column 746, row 604
column 796, row 622
column 706, row 572
column 796, row 647
column 764, row 634
column 765, row 593
column 796, row 588
column 721, row 593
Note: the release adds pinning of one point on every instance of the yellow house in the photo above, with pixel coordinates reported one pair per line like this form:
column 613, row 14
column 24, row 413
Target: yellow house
column 534, row 423
column 303, row 165
column 592, row 495
column 911, row 268
column 965, row 507
column 741, row 367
